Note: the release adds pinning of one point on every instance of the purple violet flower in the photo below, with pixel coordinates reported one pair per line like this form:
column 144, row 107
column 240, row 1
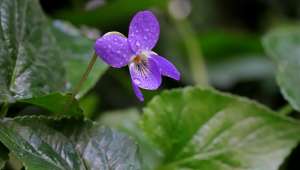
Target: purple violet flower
column 145, row 66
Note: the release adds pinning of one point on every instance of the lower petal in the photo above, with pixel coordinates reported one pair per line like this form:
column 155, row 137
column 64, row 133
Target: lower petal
column 146, row 76
column 137, row 91
column 166, row 67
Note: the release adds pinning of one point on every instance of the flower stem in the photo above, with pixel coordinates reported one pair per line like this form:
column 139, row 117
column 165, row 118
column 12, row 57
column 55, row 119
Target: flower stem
column 80, row 83
column 286, row 109
column 85, row 75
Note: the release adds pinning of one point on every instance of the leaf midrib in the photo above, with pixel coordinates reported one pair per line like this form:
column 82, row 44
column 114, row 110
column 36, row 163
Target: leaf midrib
column 213, row 153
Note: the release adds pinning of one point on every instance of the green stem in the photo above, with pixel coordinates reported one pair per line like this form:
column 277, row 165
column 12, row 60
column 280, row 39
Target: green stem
column 286, row 109
column 80, row 83
column 85, row 75
column 4, row 109
column 196, row 59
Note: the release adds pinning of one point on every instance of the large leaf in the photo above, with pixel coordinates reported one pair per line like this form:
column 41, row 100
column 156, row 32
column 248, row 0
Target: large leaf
column 38, row 146
column 283, row 45
column 29, row 58
column 204, row 129
column 77, row 51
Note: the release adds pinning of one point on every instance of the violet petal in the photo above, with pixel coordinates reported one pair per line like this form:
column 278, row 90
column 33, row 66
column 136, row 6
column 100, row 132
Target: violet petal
column 145, row 76
column 143, row 31
column 114, row 49
column 166, row 67
column 137, row 91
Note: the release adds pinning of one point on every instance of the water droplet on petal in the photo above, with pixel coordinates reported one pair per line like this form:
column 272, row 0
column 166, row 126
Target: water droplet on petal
column 137, row 81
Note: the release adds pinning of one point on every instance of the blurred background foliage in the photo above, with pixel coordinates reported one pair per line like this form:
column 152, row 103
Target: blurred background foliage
column 216, row 41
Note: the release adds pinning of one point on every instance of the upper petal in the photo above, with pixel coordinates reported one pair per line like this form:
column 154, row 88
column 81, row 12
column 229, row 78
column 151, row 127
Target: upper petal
column 145, row 76
column 143, row 31
column 166, row 67
column 114, row 49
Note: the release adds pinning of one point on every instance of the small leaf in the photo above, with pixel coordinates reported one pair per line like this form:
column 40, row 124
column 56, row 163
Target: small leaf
column 60, row 105
column 78, row 51
column 204, row 129
column 30, row 61
column 282, row 45
column 38, row 146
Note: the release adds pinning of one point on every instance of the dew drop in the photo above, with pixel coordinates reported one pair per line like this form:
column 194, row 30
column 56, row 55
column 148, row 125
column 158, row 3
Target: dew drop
column 137, row 81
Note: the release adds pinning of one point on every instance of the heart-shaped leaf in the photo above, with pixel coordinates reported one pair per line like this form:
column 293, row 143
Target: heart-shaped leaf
column 283, row 46
column 204, row 129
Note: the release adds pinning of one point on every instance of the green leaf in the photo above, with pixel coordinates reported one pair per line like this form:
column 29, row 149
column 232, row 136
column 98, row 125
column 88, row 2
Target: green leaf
column 77, row 51
column 105, row 149
column 204, row 129
column 60, row 105
column 282, row 45
column 30, row 61
column 38, row 146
